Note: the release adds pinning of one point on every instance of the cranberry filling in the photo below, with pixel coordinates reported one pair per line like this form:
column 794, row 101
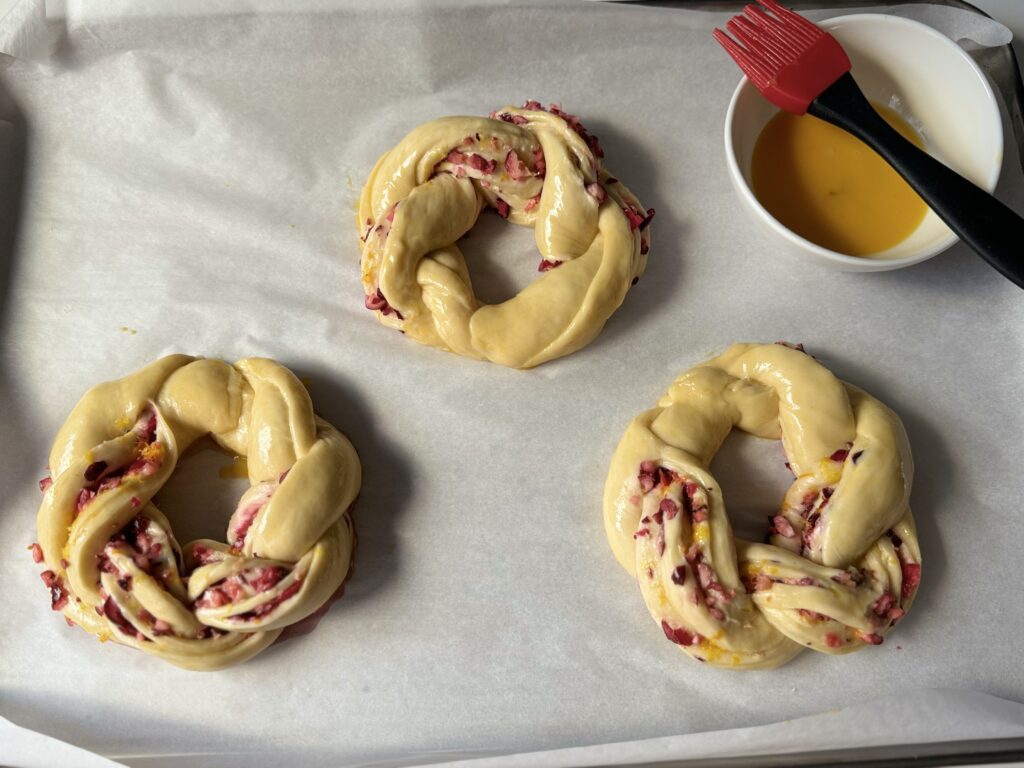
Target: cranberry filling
column 840, row 455
column 540, row 165
column 270, row 605
column 849, row 579
column 213, row 598
column 481, row 164
column 159, row 627
column 707, row 590
column 245, row 523
column 638, row 219
column 597, row 192
column 94, row 470
column 140, row 539
column 885, row 608
column 783, row 527
column 516, row 169
column 668, row 508
column 812, row 616
column 377, row 303
column 680, row 636
column 514, row 119
column 246, row 584
column 138, row 535
column 883, row 604
column 204, row 555
column 911, row 571
column 243, row 519
column 58, row 595
column 811, row 528
column 100, row 477
column 803, row 581
column 911, row 578
column 267, row 578
column 114, row 615
column 758, row 582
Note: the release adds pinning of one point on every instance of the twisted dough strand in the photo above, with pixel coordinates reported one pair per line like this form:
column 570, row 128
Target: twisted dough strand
column 843, row 564
column 113, row 565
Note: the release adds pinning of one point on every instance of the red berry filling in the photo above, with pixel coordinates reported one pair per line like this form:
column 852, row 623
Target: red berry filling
column 58, row 595
column 680, row 636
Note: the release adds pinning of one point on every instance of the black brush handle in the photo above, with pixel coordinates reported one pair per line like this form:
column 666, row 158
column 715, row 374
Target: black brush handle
column 981, row 221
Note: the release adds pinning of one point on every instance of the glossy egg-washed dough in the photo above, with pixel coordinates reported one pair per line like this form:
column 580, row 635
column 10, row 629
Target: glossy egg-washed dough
column 843, row 561
column 538, row 169
column 113, row 564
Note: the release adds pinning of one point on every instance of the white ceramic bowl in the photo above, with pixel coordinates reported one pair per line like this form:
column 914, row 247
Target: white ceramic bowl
column 929, row 80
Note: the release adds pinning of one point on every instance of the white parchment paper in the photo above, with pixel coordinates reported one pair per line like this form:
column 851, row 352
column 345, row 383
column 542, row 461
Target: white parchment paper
column 23, row 32
column 189, row 185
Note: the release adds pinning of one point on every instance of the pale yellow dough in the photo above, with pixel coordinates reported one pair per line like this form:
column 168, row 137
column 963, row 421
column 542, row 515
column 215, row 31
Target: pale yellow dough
column 418, row 201
column 842, row 546
column 304, row 475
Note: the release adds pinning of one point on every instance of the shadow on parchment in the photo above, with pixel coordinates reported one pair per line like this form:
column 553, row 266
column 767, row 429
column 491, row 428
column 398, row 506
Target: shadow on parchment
column 13, row 152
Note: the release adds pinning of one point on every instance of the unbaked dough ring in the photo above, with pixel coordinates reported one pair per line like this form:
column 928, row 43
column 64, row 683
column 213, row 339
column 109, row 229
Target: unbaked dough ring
column 113, row 565
column 536, row 168
column 843, row 562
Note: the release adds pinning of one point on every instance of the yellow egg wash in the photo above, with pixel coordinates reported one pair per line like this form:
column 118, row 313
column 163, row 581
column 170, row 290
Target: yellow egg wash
column 830, row 188
column 238, row 468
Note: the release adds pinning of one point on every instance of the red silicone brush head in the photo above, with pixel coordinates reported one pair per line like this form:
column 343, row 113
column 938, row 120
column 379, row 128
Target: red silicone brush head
column 789, row 59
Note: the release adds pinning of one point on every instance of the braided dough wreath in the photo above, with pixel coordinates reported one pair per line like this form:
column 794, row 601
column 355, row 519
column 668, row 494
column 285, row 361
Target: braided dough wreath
column 113, row 565
column 842, row 564
column 535, row 168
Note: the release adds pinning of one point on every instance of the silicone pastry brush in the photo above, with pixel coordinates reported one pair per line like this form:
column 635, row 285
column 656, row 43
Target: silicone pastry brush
column 801, row 68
